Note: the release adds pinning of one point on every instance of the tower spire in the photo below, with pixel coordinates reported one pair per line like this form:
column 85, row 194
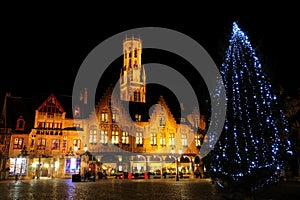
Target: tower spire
column 132, row 76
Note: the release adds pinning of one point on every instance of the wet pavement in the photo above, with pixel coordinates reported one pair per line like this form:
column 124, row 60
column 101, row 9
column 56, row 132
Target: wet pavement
column 109, row 189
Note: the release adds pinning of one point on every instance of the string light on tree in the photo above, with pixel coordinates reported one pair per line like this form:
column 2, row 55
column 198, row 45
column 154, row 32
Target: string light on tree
column 251, row 149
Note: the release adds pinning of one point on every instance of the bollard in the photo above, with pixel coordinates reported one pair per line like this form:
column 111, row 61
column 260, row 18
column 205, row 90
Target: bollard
column 129, row 175
column 146, row 175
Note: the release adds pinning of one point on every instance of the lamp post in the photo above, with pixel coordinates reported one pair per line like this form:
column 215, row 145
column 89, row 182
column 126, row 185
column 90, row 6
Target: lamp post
column 176, row 158
column 85, row 148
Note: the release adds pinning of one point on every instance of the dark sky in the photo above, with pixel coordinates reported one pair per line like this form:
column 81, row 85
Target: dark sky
column 41, row 53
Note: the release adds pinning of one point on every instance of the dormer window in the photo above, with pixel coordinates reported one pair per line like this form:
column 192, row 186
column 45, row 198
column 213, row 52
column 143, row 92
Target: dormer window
column 20, row 125
column 138, row 117
column 76, row 111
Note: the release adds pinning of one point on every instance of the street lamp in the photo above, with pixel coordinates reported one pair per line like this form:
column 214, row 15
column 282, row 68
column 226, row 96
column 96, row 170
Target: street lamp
column 85, row 148
column 176, row 158
column 75, row 148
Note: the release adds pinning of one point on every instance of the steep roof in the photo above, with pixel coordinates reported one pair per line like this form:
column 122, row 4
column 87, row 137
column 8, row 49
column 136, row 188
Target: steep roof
column 18, row 107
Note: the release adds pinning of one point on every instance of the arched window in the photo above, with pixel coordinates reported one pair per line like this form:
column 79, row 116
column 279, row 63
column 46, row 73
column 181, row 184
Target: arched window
column 20, row 125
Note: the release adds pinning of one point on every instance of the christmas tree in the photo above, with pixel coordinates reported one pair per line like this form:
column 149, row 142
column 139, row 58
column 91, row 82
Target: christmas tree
column 251, row 150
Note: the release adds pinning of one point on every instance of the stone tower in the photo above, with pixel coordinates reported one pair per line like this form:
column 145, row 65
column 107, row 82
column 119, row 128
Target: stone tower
column 132, row 76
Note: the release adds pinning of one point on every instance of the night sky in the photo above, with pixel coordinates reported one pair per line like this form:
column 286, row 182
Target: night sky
column 41, row 53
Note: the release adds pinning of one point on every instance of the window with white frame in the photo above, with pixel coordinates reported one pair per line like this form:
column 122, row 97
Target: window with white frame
column 55, row 144
column 93, row 136
column 171, row 139
column 18, row 143
column 103, row 137
column 162, row 140
column 125, row 137
column 153, row 139
column 139, row 138
column 115, row 117
column 114, row 137
column 184, row 140
column 41, row 143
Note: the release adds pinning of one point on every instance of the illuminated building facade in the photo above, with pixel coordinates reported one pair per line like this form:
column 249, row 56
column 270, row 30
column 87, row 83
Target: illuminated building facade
column 50, row 138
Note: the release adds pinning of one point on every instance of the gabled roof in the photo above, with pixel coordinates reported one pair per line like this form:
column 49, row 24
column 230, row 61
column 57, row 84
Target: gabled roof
column 61, row 103
column 51, row 105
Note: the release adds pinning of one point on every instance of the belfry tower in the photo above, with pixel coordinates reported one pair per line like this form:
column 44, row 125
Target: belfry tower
column 132, row 76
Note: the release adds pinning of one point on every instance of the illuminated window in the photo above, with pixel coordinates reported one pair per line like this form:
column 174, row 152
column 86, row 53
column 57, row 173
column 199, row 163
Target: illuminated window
column 162, row 140
column 64, row 145
column 171, row 139
column 77, row 143
column 93, row 136
column 41, row 125
column 103, row 137
column 184, row 140
column 114, row 137
column 138, row 117
column 115, row 117
column 197, row 140
column 55, row 144
column 139, row 138
column 18, row 143
column 17, row 166
column 77, row 111
column 41, row 144
column 153, row 139
column 104, row 117
column 125, row 137
column 72, row 165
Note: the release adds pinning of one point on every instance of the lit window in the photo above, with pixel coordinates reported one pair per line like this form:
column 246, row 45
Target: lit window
column 55, row 144
column 103, row 137
column 162, row 140
column 41, row 144
column 138, row 117
column 171, row 139
column 139, row 138
column 64, row 145
column 184, row 140
column 153, row 139
column 77, row 143
column 93, row 136
column 197, row 141
column 115, row 137
column 18, row 143
column 104, row 117
column 125, row 137
column 115, row 117
column 77, row 111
